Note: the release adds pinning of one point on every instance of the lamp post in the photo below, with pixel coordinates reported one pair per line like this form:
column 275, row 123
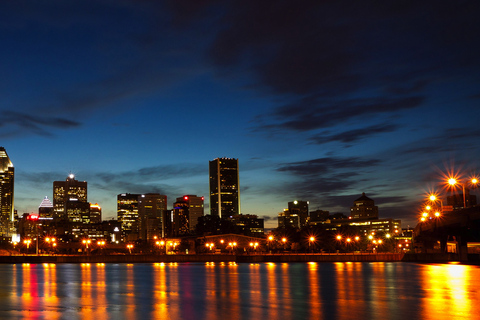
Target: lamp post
column 453, row 182
column 86, row 242
column 130, row 247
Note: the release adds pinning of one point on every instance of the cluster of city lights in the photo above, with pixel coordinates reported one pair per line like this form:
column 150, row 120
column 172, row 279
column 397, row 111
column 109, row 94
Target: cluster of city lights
column 430, row 209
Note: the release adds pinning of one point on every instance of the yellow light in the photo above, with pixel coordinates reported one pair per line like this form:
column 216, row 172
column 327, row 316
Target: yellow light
column 474, row 181
column 312, row 239
column 452, row 181
column 428, row 207
column 380, row 241
column 425, row 214
column 433, row 197
column 284, row 239
column 437, row 214
column 357, row 238
column 348, row 239
column 339, row 237
column 270, row 238
column 387, row 235
column 370, row 237
column 422, row 218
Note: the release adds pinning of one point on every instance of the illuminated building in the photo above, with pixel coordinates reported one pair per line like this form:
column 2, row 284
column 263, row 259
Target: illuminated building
column 7, row 175
column 194, row 209
column 224, row 187
column 248, row 225
column 95, row 213
column 70, row 200
column 299, row 208
column 288, row 220
column 127, row 214
column 45, row 209
column 152, row 213
column 364, row 208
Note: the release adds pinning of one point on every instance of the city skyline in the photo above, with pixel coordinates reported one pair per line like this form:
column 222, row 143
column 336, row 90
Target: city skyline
column 320, row 102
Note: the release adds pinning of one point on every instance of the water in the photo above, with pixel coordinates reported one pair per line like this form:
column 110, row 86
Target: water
column 226, row 291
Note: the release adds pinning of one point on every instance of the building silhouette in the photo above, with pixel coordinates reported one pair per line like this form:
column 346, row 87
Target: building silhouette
column 185, row 214
column 224, row 187
column 364, row 208
column 7, row 177
column 299, row 208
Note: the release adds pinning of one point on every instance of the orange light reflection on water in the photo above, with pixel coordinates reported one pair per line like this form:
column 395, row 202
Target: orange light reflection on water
column 447, row 292
column 314, row 291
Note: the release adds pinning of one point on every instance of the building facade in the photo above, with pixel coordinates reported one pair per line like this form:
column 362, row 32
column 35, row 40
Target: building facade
column 152, row 213
column 127, row 214
column 224, row 187
column 364, row 208
column 70, row 201
column 299, row 208
column 7, row 177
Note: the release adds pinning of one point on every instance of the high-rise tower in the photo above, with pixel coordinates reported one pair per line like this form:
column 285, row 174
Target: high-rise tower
column 70, row 199
column 6, row 194
column 224, row 187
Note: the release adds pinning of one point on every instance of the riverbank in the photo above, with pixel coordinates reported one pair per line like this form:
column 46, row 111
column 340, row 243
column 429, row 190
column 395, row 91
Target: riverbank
column 253, row 258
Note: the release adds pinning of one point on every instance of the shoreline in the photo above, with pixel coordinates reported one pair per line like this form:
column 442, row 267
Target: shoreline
column 244, row 258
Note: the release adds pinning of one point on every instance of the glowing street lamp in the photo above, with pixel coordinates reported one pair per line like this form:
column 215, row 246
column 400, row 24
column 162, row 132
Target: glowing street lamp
column 27, row 243
column 311, row 240
column 130, row 247
column 453, row 182
column 51, row 240
column 86, row 242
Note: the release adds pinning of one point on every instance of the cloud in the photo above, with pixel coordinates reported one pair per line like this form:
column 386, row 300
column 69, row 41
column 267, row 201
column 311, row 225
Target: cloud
column 18, row 123
column 354, row 135
column 328, row 165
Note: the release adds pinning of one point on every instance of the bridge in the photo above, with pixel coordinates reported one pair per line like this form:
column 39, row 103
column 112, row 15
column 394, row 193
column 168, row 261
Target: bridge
column 457, row 228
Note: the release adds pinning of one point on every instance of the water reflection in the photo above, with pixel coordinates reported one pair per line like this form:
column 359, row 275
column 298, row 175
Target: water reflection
column 239, row 291
column 448, row 290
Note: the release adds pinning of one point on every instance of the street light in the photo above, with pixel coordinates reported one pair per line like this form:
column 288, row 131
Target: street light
column 130, row 247
column 52, row 241
column 27, row 243
column 310, row 241
column 453, row 182
column 86, row 242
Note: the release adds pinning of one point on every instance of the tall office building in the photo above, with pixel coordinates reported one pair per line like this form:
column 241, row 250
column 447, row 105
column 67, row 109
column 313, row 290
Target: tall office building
column 95, row 213
column 127, row 214
column 70, row 203
column 299, row 208
column 186, row 211
column 224, row 187
column 152, row 213
column 7, row 176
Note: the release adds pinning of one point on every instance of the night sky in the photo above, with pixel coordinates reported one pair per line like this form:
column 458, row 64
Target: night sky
column 319, row 100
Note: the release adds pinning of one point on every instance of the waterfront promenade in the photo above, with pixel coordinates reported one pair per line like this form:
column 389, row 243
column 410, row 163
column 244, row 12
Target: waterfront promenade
column 246, row 258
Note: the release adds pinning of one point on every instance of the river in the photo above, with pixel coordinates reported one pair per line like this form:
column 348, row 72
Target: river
column 224, row 291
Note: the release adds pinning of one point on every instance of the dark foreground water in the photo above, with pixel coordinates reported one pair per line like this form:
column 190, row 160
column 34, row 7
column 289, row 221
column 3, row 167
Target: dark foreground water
column 240, row 291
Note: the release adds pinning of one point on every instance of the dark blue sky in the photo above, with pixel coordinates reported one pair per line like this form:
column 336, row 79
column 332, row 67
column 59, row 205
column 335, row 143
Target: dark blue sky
column 319, row 100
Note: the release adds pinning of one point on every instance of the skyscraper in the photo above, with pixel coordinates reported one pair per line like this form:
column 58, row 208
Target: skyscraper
column 186, row 211
column 6, row 194
column 299, row 208
column 70, row 199
column 127, row 214
column 152, row 213
column 224, row 187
